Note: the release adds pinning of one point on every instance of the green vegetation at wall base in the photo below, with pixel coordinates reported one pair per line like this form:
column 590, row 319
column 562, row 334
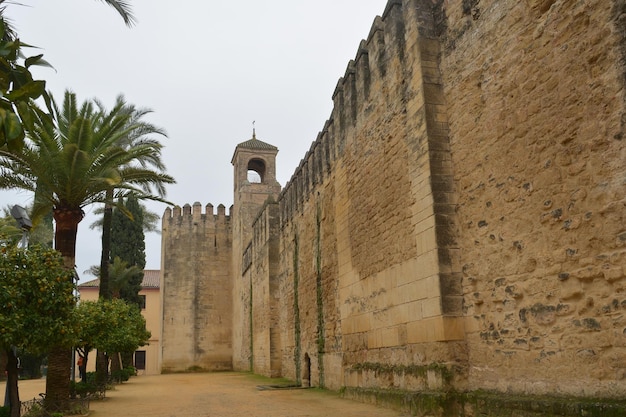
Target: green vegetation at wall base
column 492, row 404
column 486, row 404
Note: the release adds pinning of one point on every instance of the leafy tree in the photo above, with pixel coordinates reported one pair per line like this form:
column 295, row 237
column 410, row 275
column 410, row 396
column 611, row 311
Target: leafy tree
column 10, row 233
column 128, row 229
column 17, row 88
column 127, row 237
column 128, row 244
column 17, row 85
column 131, row 239
column 36, row 305
column 124, row 281
column 30, row 364
column 73, row 163
column 109, row 326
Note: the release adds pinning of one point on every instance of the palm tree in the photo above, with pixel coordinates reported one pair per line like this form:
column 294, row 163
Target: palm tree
column 137, row 133
column 119, row 275
column 74, row 162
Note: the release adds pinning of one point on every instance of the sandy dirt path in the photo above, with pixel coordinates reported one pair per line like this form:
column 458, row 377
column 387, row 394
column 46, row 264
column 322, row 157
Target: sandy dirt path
column 215, row 395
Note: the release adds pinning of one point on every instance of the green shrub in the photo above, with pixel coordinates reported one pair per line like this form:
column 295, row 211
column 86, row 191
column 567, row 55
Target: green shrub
column 83, row 389
column 5, row 411
column 123, row 375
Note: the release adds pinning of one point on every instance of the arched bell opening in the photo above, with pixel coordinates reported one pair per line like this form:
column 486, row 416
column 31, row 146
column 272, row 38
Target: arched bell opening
column 256, row 171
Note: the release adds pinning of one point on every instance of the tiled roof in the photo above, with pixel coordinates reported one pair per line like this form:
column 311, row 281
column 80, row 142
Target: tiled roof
column 151, row 278
column 254, row 143
column 94, row 283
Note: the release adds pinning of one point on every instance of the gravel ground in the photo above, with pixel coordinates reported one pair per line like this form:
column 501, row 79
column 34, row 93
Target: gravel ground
column 215, row 395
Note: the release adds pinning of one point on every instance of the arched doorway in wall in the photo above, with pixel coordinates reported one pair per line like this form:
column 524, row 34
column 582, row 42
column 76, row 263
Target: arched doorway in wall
column 306, row 371
column 256, row 171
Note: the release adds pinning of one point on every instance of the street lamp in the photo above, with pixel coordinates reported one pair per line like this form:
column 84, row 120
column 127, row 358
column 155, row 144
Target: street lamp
column 21, row 216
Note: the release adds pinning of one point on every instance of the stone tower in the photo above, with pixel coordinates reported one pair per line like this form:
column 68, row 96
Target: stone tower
column 254, row 163
column 196, row 289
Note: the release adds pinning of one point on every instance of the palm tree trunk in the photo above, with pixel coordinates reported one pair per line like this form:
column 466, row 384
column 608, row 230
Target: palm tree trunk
column 14, row 396
column 58, row 379
column 65, row 235
column 60, row 357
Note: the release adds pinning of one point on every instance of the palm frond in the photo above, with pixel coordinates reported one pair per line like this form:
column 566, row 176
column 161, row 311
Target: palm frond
column 86, row 152
column 124, row 10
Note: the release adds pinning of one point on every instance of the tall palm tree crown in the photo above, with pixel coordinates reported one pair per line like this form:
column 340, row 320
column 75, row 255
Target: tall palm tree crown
column 72, row 163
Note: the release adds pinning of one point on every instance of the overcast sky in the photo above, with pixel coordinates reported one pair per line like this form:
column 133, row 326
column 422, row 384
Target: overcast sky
column 207, row 69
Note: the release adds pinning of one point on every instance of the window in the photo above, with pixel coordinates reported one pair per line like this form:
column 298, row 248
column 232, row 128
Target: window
column 140, row 359
column 256, row 171
column 142, row 302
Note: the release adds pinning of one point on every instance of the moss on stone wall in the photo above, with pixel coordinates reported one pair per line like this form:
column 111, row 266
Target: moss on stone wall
column 321, row 340
column 490, row 404
column 296, row 312
column 486, row 404
column 251, row 329
column 438, row 404
column 420, row 371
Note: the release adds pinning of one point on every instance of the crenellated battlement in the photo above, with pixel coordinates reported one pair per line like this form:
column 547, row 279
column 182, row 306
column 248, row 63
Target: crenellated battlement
column 380, row 64
column 194, row 213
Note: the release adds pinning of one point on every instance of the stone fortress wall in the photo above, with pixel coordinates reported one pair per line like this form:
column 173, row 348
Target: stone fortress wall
column 458, row 225
column 535, row 93
column 367, row 223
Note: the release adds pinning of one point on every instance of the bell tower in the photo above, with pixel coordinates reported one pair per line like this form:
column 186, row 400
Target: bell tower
column 254, row 163
column 255, row 183
column 255, row 173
